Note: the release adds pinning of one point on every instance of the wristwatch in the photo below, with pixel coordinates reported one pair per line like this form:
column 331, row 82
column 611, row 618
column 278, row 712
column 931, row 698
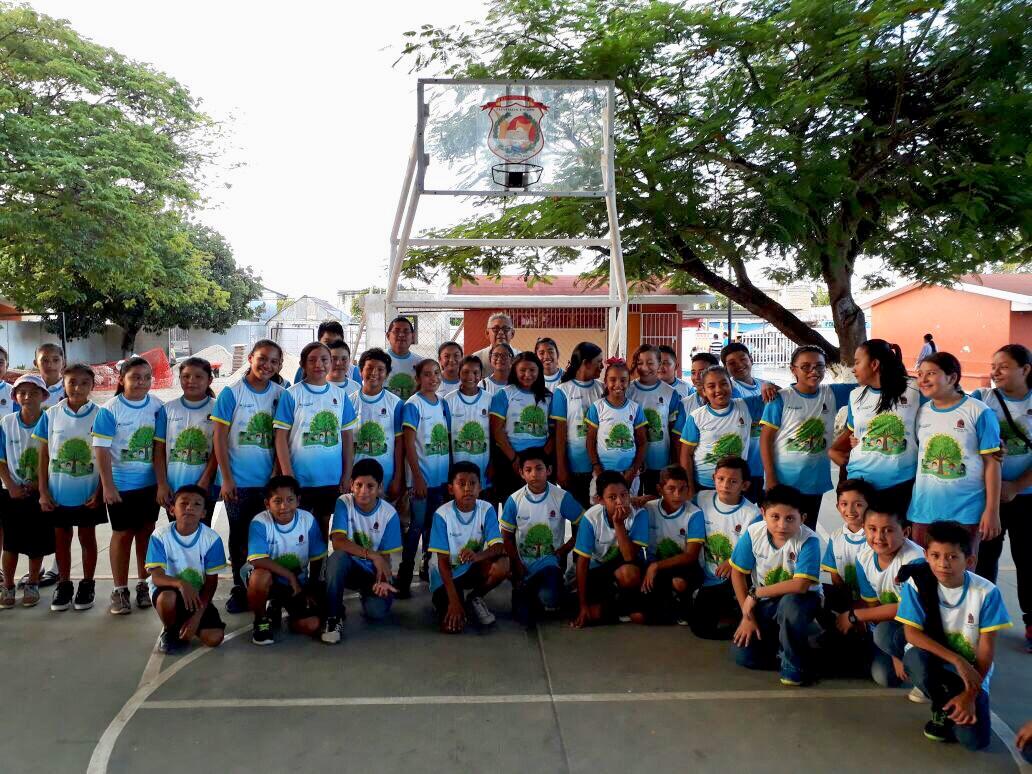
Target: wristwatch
column 852, row 617
column 752, row 593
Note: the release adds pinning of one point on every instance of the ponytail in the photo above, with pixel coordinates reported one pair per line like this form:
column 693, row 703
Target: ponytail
column 584, row 352
column 891, row 371
column 949, row 365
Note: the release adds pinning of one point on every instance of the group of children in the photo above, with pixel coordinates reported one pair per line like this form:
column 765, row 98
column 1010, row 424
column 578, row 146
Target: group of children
column 691, row 504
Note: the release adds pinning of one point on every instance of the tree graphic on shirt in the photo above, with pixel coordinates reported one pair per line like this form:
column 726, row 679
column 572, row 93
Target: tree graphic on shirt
column 371, row 440
column 956, row 642
column 438, row 444
column 258, row 432
column 1011, row 442
column 620, row 437
column 471, row 439
column 612, row 553
column 289, row 562
column 362, row 540
column 191, row 576
column 666, row 548
column 888, row 598
column 849, row 576
column 886, row 435
column 943, row 457
column 323, row 430
column 538, row 542
column 74, row 458
column 718, row 548
column 728, row 445
column 402, row 384
column 809, row 437
column 191, row 447
column 654, row 430
column 776, row 575
column 140, row 447
column 532, row 422
column 28, row 464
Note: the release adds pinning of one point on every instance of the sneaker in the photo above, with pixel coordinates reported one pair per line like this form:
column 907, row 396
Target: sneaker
column 6, row 598
column 62, row 597
column 142, row 595
column 49, row 578
column 478, row 607
column 333, row 630
column 939, row 728
column 261, row 633
column 169, row 642
column 237, row 602
column 917, row 696
column 424, row 567
column 792, row 678
column 120, row 602
column 85, row 594
column 30, row 595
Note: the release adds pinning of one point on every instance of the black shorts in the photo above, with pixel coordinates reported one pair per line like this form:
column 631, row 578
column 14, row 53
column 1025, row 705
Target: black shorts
column 602, row 580
column 138, row 509
column 463, row 583
column 319, row 500
column 27, row 530
column 298, row 606
column 68, row 517
column 210, row 618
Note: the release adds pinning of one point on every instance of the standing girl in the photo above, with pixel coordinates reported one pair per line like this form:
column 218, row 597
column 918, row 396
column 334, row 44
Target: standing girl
column 341, row 372
column 470, row 408
column 244, row 440
column 378, row 417
column 501, row 364
column 958, row 474
column 547, row 352
column 519, row 421
column 449, row 356
column 577, row 391
column 616, row 428
column 50, row 363
column 662, row 406
column 123, row 440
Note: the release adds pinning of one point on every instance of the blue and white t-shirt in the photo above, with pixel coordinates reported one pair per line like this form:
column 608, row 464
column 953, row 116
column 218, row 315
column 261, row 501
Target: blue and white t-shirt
column 315, row 418
column 754, row 390
column 525, row 417
column 491, row 387
column 950, row 470
column 538, row 523
column 693, row 400
column 453, row 530
column 886, row 452
column 186, row 430
column 431, row 423
column 354, row 381
column 447, row 387
column 189, row 558
column 378, row 530
column 73, row 474
column 662, row 406
column 799, row 557
column 840, row 555
column 293, row 546
column 347, row 386
column 570, row 403
column 968, row 611
column 18, row 449
column 551, row 382
column 57, row 394
column 596, row 534
column 616, row 426
column 402, row 378
column 670, row 533
column 7, row 404
column 682, row 388
column 126, row 429
column 471, row 429
column 379, row 424
column 882, row 586
column 249, row 415
column 724, row 526
column 1018, row 457
column 717, row 433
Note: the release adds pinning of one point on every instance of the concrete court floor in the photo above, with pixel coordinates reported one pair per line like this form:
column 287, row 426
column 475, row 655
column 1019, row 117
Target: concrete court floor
column 87, row 693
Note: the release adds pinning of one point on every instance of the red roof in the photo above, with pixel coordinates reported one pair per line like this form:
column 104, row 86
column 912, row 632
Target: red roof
column 557, row 285
column 1008, row 283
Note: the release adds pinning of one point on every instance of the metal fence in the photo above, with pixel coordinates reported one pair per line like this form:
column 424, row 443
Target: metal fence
column 769, row 347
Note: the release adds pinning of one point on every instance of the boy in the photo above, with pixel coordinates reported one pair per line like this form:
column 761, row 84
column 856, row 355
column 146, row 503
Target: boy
column 449, row 357
column 469, row 551
column 470, row 408
column 950, row 618
column 378, row 436
column 695, row 398
column 738, row 361
column 776, row 581
column 669, row 371
column 726, row 515
column 284, row 549
column 365, row 532
column 533, row 526
column 341, row 369
column 400, row 334
column 329, row 332
column 50, row 363
column 610, row 538
column 845, row 543
column 677, row 532
column 183, row 564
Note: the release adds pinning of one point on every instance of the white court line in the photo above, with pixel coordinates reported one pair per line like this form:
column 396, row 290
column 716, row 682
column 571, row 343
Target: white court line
column 1006, row 734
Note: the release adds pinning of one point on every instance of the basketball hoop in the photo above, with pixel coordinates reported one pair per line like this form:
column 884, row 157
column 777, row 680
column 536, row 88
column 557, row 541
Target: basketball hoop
column 516, row 174
column 515, row 136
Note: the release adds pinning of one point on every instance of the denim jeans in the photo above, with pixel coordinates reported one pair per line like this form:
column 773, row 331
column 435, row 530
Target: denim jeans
column 240, row 513
column 783, row 622
column 423, row 511
column 889, row 641
column 940, row 683
column 344, row 572
column 539, row 593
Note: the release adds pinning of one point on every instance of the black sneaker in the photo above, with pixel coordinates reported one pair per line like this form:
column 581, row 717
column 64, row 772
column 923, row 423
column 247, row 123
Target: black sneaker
column 142, row 595
column 333, row 630
column 403, row 581
column 85, row 594
column 169, row 642
column 940, row 727
column 237, row 602
column 424, row 567
column 62, row 596
column 261, row 633
column 49, row 578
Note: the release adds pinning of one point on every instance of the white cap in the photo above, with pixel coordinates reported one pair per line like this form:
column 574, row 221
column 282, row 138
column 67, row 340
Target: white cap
column 33, row 379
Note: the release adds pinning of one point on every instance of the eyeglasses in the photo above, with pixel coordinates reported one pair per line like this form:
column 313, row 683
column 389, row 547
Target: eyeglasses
column 505, row 329
column 500, row 356
column 816, row 368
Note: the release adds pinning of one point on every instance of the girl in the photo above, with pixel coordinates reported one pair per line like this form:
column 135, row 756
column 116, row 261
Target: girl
column 470, row 409
column 340, row 368
column 426, row 422
column 501, row 364
column 449, row 355
column 378, row 415
column 123, row 440
column 616, row 428
column 7, row 405
column 670, row 372
column 183, row 431
column 928, row 348
column 958, row 474
column 879, row 443
column 313, row 425
column 797, row 430
column 519, row 421
column 69, row 484
column 50, row 362
column 577, row 391
column 243, row 441
column 547, row 352
column 661, row 405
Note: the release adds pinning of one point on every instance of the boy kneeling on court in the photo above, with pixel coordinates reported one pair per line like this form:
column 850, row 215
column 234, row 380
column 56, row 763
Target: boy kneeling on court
column 285, row 548
column 610, row 539
column 468, row 546
column 183, row 563
column 365, row 532
column 777, row 583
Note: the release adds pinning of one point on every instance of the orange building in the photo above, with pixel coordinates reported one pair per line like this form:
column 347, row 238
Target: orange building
column 970, row 320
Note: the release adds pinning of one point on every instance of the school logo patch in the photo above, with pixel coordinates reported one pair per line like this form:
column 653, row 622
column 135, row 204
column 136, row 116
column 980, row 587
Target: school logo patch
column 960, row 424
column 334, row 401
column 483, row 412
column 551, row 514
column 824, row 408
column 660, row 400
column 741, row 421
column 791, row 556
column 738, row 529
column 376, row 525
column 903, row 400
column 383, row 412
column 682, row 532
column 971, row 619
column 300, row 538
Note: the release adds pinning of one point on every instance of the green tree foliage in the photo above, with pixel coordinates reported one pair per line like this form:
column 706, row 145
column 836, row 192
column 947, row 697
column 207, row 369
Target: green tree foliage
column 815, row 133
column 75, row 457
column 959, row 645
column 28, row 464
column 191, row 576
column 290, row 562
column 729, row 445
column 654, row 431
column 943, row 456
column 362, row 540
column 191, row 447
column 539, row 542
column 620, row 437
column 471, row 439
column 886, row 433
column 143, row 438
column 438, row 441
column 809, row 437
column 371, row 439
column 667, row 548
column 777, row 575
column 718, row 548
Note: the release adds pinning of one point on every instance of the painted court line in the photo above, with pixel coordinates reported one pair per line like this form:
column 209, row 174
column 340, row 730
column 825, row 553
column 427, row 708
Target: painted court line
column 1006, row 734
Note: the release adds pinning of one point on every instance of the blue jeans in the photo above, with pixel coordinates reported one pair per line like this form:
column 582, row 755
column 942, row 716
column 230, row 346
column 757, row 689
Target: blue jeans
column 889, row 641
column 240, row 513
column 422, row 518
column 343, row 572
column 940, row 683
column 537, row 594
column 783, row 622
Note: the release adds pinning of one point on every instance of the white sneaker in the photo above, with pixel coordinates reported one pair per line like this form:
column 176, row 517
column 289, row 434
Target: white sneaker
column 333, row 631
column 917, row 696
column 480, row 611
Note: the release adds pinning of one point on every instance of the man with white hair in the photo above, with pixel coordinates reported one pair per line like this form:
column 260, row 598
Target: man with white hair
column 500, row 330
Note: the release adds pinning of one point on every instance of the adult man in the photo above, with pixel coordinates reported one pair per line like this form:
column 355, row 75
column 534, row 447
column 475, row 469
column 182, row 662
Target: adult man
column 716, row 345
column 499, row 331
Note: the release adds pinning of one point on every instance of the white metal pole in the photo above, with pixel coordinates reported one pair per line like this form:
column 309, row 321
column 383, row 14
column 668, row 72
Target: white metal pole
column 394, row 263
column 618, row 277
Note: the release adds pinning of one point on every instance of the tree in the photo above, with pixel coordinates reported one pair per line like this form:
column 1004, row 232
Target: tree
column 943, row 457
column 471, row 439
column 192, row 447
column 620, row 437
column 667, row 548
column 191, row 576
column 809, row 135
column 371, row 440
column 539, row 542
column 438, row 441
column 729, row 445
column 141, row 445
column 532, row 421
column 654, row 431
column 323, row 430
column 886, row 434
column 809, row 437
column 718, row 547
column 777, row 575
column 28, row 464
column 74, row 457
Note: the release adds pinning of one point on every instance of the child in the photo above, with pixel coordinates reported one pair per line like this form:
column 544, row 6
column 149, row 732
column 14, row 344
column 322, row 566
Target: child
column 845, row 542
column 610, row 537
column 519, row 421
column 331, row 331
column 468, row 546
column 400, row 334
column 501, row 357
column 69, row 484
column 184, row 562
column 379, row 419
column 547, row 352
column 616, row 429
column 661, row 405
column 25, row 531
column 677, row 532
column 183, row 430
column 950, row 617
column 365, row 532
column 533, row 526
column 284, row 549
column 737, row 359
column 341, row 369
column 427, row 435
column 449, row 357
column 726, row 515
column 313, row 424
column 244, row 441
column 776, row 580
column 577, row 391
column 958, row 472
column 7, row 403
column 123, row 437
column 696, row 397
column 50, row 363
column 470, row 409
column 670, row 373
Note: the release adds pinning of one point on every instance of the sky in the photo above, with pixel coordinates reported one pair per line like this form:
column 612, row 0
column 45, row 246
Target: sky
column 318, row 117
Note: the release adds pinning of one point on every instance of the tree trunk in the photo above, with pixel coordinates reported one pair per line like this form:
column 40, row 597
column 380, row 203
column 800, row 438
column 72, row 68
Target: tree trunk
column 129, row 340
column 850, row 324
